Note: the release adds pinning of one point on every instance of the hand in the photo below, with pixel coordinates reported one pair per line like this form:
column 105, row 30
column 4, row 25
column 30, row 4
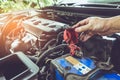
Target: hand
column 96, row 25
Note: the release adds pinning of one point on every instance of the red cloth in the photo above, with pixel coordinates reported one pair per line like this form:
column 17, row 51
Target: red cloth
column 71, row 37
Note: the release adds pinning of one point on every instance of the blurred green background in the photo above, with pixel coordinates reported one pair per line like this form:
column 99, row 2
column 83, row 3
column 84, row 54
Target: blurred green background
column 14, row 5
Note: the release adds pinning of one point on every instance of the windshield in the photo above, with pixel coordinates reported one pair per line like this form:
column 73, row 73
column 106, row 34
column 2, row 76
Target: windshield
column 88, row 1
column 103, row 1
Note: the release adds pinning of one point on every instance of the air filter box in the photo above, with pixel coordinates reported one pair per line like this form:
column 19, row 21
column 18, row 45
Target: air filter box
column 17, row 67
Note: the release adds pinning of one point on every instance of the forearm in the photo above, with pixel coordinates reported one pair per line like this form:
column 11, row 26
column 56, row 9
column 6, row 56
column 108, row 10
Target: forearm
column 114, row 23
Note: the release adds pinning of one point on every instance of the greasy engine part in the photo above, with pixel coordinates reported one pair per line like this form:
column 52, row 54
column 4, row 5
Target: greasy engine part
column 43, row 29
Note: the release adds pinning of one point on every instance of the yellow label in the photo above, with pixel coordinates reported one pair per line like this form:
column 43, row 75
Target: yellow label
column 72, row 60
column 78, row 65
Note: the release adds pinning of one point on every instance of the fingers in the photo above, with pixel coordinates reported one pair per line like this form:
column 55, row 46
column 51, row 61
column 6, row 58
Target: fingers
column 84, row 36
column 83, row 28
column 81, row 23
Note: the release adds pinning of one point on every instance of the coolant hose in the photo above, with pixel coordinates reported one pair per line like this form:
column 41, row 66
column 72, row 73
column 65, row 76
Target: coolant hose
column 40, row 60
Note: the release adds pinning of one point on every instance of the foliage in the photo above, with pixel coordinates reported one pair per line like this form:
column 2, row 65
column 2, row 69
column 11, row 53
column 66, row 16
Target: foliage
column 13, row 5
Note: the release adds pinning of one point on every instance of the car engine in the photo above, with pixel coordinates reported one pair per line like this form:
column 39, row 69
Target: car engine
column 35, row 46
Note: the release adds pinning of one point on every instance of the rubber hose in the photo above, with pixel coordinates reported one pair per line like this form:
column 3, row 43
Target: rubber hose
column 40, row 60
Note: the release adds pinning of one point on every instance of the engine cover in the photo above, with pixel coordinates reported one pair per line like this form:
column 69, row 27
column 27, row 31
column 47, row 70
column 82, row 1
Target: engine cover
column 38, row 25
column 43, row 29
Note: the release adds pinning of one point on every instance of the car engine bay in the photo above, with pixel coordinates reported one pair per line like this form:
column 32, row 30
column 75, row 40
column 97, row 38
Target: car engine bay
column 40, row 40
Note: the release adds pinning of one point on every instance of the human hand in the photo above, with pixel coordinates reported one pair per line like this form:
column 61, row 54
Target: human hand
column 94, row 25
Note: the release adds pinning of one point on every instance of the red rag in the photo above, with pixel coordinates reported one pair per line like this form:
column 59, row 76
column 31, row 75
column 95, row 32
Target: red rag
column 71, row 37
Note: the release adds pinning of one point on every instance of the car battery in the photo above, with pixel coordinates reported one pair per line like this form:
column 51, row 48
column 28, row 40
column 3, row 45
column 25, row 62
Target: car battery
column 65, row 65
column 72, row 68
column 105, row 75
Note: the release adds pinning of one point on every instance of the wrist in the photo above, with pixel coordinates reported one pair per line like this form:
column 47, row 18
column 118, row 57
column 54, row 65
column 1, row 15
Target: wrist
column 113, row 23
